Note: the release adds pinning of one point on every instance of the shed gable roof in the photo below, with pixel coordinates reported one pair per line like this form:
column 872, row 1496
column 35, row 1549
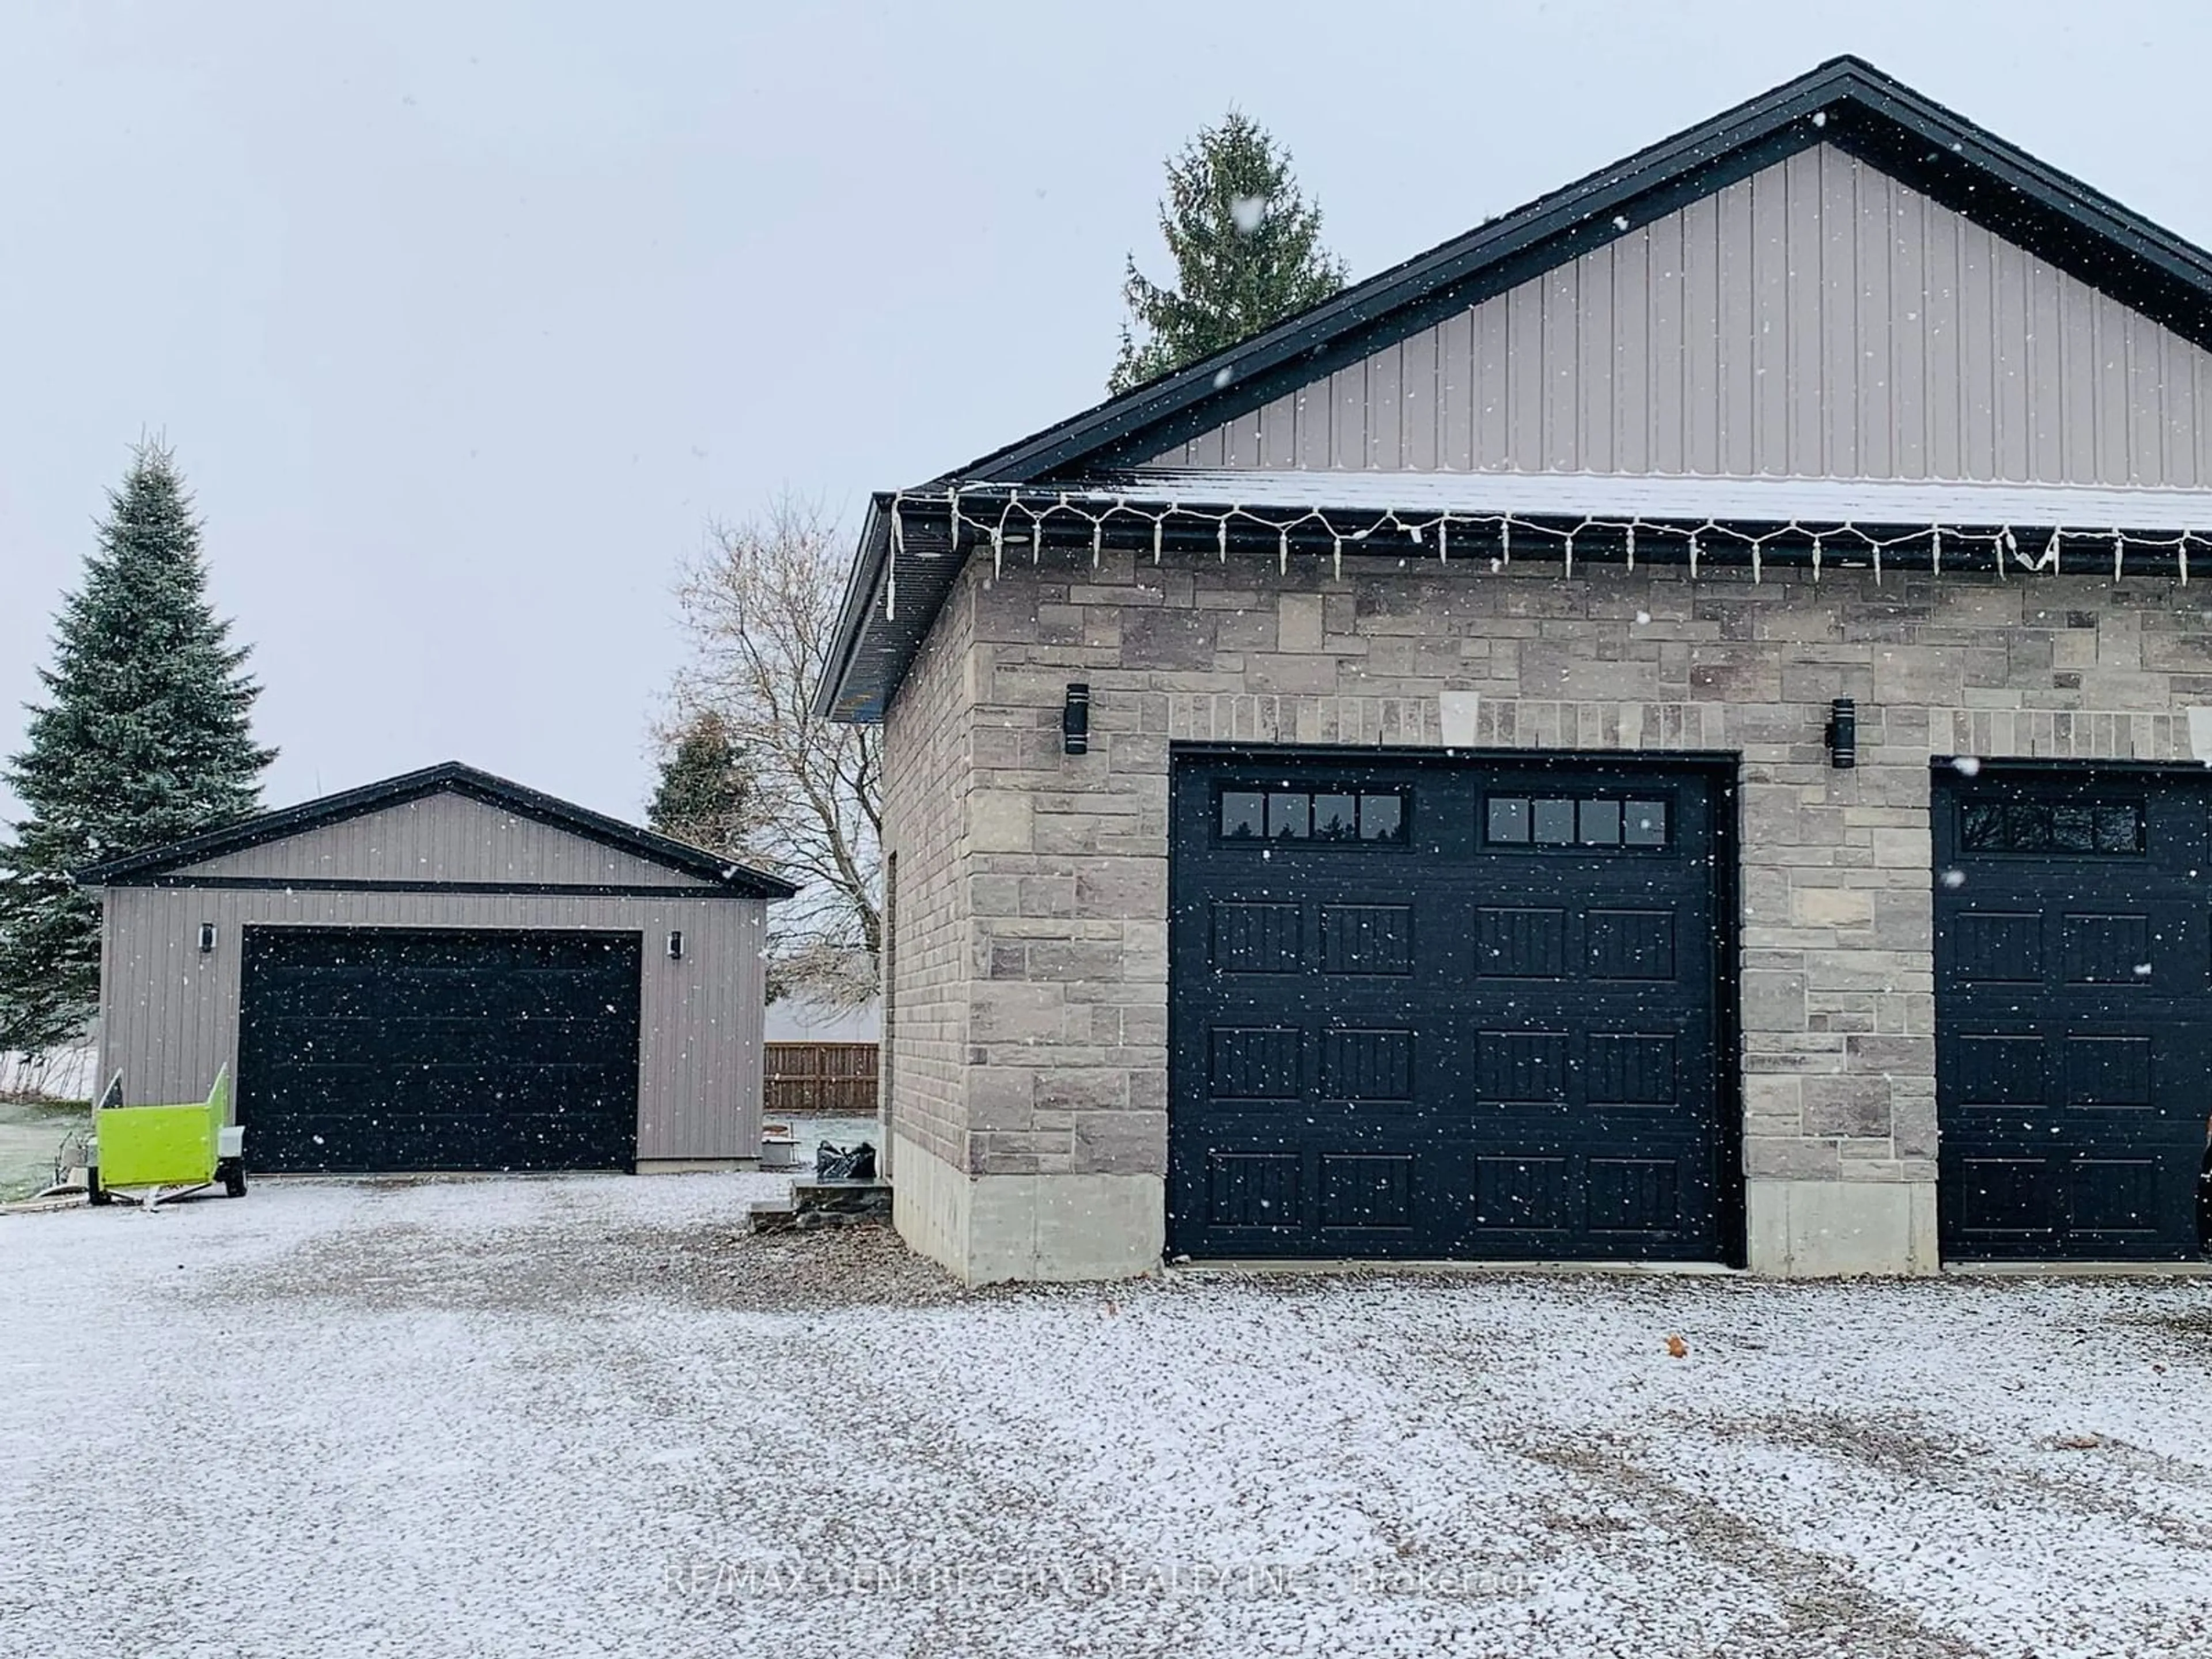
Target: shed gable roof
column 222, row 854
column 1845, row 107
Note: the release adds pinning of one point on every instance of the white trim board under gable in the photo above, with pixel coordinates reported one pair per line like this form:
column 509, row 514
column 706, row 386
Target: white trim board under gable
column 1678, row 499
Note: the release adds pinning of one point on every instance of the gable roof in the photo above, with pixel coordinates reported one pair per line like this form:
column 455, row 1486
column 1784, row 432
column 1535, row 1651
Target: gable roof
column 1845, row 103
column 451, row 777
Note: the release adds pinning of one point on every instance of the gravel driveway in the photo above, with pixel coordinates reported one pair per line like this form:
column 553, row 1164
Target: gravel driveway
column 584, row 1416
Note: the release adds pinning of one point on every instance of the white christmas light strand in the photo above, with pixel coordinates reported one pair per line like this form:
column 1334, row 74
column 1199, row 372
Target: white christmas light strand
column 1023, row 519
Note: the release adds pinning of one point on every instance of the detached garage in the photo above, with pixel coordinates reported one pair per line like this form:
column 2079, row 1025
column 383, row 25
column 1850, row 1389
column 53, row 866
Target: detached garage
column 443, row 971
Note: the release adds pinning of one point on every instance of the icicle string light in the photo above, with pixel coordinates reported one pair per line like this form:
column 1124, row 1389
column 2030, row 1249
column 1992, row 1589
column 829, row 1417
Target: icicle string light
column 979, row 514
column 898, row 552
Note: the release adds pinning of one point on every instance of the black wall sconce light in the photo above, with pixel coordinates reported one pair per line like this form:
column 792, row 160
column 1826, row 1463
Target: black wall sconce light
column 675, row 945
column 1075, row 721
column 207, row 939
column 1843, row 734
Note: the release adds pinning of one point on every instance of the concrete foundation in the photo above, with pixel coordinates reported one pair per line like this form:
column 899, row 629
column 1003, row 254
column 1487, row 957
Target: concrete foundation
column 1840, row 1229
column 694, row 1165
column 988, row 1230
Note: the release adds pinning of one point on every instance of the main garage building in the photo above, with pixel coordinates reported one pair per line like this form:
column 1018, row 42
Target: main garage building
column 1672, row 726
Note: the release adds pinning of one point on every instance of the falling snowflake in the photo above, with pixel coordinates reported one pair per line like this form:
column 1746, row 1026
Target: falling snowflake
column 1248, row 212
column 1966, row 765
column 1955, row 878
column 1223, row 376
column 1642, row 618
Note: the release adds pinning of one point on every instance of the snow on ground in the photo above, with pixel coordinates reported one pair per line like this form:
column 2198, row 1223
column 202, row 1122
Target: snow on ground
column 588, row 1417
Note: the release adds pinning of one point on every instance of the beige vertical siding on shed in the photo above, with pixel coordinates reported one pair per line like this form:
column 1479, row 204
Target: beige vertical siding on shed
column 1817, row 320
column 447, row 837
column 170, row 1015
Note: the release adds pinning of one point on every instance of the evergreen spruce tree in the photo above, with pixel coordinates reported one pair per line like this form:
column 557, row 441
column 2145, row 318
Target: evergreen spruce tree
column 704, row 793
column 1247, row 253
column 144, row 736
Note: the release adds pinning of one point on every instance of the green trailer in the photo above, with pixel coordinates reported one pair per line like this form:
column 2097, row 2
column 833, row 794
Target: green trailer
column 155, row 1152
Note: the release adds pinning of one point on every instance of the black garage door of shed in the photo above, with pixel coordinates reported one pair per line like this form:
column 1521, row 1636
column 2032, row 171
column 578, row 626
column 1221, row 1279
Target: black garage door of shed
column 438, row 1049
column 2073, row 1009
column 1436, row 1008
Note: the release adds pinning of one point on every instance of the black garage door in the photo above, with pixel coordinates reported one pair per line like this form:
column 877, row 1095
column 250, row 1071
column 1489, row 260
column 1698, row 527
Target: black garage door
column 2072, row 1019
column 435, row 1049
column 1432, row 1008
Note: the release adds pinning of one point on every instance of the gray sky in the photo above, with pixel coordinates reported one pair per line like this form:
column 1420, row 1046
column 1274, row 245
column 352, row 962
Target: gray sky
column 465, row 317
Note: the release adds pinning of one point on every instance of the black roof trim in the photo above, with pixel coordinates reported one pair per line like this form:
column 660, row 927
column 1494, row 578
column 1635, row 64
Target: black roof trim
column 1846, row 102
column 452, row 777
column 1897, row 128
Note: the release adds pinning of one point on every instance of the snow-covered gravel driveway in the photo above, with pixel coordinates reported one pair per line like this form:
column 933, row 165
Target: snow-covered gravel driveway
column 582, row 1417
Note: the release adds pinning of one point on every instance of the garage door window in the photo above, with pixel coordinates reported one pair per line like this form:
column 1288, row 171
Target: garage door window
column 2101, row 827
column 1368, row 816
column 1589, row 821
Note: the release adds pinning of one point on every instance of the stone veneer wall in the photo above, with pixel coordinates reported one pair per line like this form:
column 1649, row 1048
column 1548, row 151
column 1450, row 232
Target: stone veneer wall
column 927, row 767
column 1059, row 886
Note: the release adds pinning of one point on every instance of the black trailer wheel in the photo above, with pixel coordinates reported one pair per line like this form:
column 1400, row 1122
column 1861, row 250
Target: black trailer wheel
column 94, row 1192
column 232, row 1173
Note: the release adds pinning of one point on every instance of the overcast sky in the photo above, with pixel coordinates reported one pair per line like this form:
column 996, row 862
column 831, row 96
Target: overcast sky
column 464, row 319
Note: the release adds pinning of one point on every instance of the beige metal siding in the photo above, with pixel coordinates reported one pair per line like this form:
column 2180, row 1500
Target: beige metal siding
column 170, row 1015
column 447, row 837
column 1817, row 319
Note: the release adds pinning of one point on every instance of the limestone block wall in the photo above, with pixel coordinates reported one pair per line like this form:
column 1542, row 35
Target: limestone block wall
column 1059, row 889
column 927, row 772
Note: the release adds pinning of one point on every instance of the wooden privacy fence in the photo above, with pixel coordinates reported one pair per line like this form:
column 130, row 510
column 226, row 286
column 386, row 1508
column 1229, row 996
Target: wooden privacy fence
column 822, row 1076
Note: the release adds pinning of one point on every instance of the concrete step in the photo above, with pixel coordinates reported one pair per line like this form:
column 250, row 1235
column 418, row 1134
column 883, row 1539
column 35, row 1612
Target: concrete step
column 808, row 1193
column 816, row 1203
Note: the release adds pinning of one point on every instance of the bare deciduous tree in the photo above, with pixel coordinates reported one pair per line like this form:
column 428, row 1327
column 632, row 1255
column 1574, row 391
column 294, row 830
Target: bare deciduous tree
column 761, row 605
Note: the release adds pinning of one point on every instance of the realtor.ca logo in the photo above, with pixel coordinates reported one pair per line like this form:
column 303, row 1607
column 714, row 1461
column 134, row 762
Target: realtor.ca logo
column 1087, row 1578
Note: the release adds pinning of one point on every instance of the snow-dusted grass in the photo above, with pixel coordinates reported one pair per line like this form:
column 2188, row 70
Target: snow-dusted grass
column 31, row 1133
column 574, row 1417
column 64, row 1074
